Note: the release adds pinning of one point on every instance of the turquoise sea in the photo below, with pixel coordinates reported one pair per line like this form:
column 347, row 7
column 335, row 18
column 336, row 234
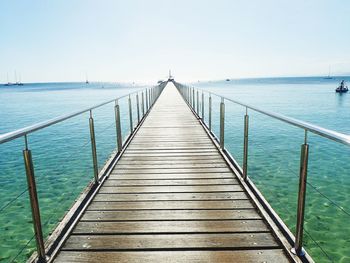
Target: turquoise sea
column 62, row 154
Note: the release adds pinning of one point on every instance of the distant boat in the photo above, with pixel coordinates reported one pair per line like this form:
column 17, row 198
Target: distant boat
column 86, row 79
column 342, row 88
column 19, row 83
column 227, row 79
column 329, row 74
column 8, row 82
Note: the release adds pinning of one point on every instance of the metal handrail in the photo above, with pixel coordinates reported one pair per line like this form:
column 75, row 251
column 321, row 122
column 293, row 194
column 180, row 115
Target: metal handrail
column 188, row 94
column 9, row 136
column 327, row 133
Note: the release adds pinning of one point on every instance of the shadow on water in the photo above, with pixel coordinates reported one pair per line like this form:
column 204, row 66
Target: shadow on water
column 340, row 98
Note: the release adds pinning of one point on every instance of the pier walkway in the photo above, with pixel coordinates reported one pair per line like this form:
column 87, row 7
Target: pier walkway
column 172, row 198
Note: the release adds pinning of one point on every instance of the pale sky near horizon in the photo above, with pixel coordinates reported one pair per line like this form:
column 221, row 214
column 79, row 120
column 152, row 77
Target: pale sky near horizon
column 140, row 41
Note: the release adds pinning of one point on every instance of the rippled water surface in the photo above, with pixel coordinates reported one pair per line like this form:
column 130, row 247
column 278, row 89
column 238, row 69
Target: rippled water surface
column 62, row 153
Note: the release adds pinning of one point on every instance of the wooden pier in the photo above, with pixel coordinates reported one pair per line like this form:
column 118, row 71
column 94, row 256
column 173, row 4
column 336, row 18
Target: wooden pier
column 172, row 197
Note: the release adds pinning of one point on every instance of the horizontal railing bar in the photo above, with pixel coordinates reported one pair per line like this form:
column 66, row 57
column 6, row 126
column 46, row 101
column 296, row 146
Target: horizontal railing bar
column 327, row 133
column 6, row 137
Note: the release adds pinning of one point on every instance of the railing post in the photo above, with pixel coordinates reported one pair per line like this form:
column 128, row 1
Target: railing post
column 93, row 147
column 118, row 127
column 304, row 157
column 193, row 100
column 152, row 95
column 209, row 112
column 34, row 203
column 187, row 94
column 202, row 105
column 138, row 107
column 143, row 105
column 222, row 124
column 149, row 98
column 130, row 115
column 245, row 145
column 197, row 103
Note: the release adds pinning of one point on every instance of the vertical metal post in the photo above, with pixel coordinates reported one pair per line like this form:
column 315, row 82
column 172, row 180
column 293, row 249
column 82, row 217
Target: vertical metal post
column 189, row 95
column 152, row 95
column 193, row 100
column 143, row 105
column 304, row 157
column 138, row 107
column 93, row 147
column 202, row 105
column 149, row 97
column 118, row 127
column 222, row 123
column 245, row 145
column 146, row 99
column 34, row 203
column 197, row 103
column 209, row 112
column 130, row 115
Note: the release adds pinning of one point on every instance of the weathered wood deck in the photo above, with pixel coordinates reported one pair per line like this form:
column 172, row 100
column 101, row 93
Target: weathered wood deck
column 172, row 198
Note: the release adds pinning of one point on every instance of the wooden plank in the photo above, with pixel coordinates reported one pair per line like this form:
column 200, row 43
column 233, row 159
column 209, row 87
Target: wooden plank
column 171, row 189
column 177, row 148
column 171, row 166
column 142, row 144
column 171, row 182
column 167, row 171
column 171, row 176
column 174, row 241
column 172, row 196
column 178, row 154
column 247, row 256
column 227, row 204
column 172, row 158
column 170, row 151
column 169, row 161
column 153, row 227
column 170, row 215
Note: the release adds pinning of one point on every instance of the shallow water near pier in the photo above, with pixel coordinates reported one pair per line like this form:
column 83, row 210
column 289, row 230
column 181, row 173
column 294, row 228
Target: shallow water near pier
column 62, row 153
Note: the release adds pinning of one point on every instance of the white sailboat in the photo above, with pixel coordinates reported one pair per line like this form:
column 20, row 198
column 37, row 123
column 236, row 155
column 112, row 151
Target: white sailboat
column 8, row 83
column 329, row 74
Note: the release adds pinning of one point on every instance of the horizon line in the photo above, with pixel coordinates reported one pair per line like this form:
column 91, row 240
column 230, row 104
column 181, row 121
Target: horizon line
column 200, row 80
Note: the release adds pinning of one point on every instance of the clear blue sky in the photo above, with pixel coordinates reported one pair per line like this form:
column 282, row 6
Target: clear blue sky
column 140, row 40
